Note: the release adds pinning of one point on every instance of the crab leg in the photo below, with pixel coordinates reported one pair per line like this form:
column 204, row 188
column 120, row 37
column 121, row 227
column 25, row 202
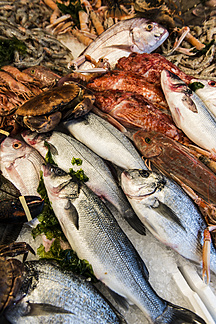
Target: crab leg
column 206, row 253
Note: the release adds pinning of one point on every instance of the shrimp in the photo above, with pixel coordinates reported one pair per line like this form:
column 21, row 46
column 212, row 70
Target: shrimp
column 17, row 74
column 15, row 86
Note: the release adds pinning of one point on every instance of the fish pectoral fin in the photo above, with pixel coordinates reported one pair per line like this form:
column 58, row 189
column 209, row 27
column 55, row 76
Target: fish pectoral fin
column 134, row 221
column 121, row 47
column 167, row 212
column 72, row 213
column 120, row 300
column 52, row 149
column 46, row 309
column 189, row 103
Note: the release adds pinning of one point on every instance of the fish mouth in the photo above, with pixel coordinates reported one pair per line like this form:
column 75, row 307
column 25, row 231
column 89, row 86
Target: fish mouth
column 140, row 197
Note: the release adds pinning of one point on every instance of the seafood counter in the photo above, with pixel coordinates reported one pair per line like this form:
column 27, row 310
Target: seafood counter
column 107, row 164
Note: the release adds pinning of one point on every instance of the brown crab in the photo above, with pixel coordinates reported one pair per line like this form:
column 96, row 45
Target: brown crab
column 11, row 271
column 43, row 112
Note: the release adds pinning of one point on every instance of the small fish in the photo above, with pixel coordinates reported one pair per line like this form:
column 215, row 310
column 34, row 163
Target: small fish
column 95, row 235
column 105, row 140
column 132, row 35
column 168, row 213
column 189, row 112
column 63, row 148
column 53, row 295
column 21, row 164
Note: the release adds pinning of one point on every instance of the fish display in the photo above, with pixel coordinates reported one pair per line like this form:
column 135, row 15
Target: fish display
column 189, row 111
column 51, row 294
column 21, row 164
column 168, row 212
column 64, row 148
column 105, row 140
column 95, row 235
column 126, row 36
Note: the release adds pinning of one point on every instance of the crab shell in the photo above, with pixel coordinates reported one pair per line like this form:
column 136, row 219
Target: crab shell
column 43, row 112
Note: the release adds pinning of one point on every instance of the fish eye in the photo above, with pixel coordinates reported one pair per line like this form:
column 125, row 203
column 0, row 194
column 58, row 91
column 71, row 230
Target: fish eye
column 149, row 27
column 212, row 83
column 58, row 171
column 144, row 173
column 147, row 140
column 17, row 145
column 32, row 71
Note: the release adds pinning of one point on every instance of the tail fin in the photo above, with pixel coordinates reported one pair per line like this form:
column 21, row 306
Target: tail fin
column 178, row 315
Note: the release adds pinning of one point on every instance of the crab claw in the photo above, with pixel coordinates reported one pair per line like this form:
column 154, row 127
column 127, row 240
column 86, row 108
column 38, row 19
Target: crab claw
column 14, row 212
column 206, row 252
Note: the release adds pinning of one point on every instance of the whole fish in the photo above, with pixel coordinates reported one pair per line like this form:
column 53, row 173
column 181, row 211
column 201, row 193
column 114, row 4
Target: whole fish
column 176, row 161
column 63, row 148
column 94, row 234
column 53, row 295
column 105, row 140
column 133, row 35
column 168, row 212
column 189, row 112
column 21, row 164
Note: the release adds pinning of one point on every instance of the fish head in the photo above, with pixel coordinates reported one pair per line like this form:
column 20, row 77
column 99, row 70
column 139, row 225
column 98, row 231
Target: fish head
column 138, row 184
column 147, row 143
column 206, row 90
column 147, row 36
column 12, row 149
column 58, row 183
column 37, row 141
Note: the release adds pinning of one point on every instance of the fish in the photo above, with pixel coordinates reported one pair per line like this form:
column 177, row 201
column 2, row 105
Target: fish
column 126, row 36
column 100, row 179
column 167, row 212
column 95, row 236
column 53, row 295
column 189, row 112
column 105, row 140
column 21, row 164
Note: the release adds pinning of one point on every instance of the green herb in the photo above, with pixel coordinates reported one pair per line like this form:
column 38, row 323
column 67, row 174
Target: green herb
column 48, row 157
column 72, row 9
column 195, row 86
column 7, row 49
column 67, row 259
column 76, row 161
column 79, row 174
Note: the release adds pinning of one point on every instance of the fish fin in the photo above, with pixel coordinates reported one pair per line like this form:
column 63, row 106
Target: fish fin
column 120, row 300
column 46, row 309
column 121, row 47
column 53, row 150
column 144, row 269
column 167, row 212
column 136, row 224
column 189, row 103
column 174, row 314
column 73, row 214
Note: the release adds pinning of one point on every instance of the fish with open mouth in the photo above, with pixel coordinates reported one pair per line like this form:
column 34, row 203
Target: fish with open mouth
column 132, row 35
column 95, row 235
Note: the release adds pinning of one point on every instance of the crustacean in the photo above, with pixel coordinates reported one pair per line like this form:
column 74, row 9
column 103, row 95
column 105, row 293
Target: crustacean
column 11, row 271
column 43, row 112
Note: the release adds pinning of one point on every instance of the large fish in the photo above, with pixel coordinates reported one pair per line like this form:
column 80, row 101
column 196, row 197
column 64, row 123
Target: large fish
column 167, row 212
column 133, row 35
column 105, row 140
column 52, row 295
column 21, row 164
column 189, row 112
column 94, row 234
column 63, row 148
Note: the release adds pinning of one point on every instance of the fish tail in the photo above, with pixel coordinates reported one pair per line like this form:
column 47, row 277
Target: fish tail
column 178, row 315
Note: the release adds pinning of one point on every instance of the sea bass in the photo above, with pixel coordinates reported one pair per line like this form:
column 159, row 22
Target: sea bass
column 63, row 148
column 105, row 140
column 133, row 35
column 189, row 112
column 94, row 234
column 21, row 164
column 53, row 295
column 168, row 213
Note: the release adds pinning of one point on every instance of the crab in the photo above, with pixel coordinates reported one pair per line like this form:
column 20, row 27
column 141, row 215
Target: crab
column 43, row 112
column 11, row 271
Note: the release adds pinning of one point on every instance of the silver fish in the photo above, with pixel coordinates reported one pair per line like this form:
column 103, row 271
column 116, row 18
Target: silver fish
column 105, row 140
column 58, row 296
column 94, row 234
column 63, row 148
column 167, row 212
column 189, row 112
column 133, row 35
column 21, row 164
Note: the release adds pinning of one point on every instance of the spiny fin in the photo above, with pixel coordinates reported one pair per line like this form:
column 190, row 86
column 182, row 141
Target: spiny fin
column 46, row 309
column 73, row 214
column 120, row 300
column 167, row 212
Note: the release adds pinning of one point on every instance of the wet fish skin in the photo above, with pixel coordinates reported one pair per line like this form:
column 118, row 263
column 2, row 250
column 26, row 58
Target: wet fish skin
column 189, row 112
column 168, row 212
column 105, row 140
column 95, row 235
column 132, row 35
column 63, row 148
column 58, row 296
column 21, row 164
